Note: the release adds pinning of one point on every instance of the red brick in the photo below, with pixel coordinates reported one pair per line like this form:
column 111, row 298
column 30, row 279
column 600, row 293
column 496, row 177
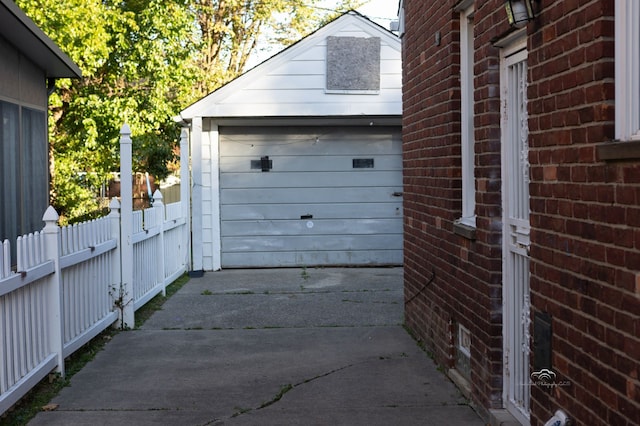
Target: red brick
column 584, row 212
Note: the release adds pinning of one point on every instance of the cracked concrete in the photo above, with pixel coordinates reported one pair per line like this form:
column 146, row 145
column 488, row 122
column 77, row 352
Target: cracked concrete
column 268, row 347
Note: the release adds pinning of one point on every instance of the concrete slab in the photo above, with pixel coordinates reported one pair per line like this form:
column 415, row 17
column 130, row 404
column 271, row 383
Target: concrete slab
column 364, row 369
column 274, row 298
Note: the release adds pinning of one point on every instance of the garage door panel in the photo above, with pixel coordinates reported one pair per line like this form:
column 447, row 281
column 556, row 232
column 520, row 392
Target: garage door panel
column 306, row 179
column 310, row 243
column 330, row 227
column 319, row 211
column 310, row 258
column 313, row 144
column 313, row 195
column 327, row 163
column 308, row 148
column 315, row 206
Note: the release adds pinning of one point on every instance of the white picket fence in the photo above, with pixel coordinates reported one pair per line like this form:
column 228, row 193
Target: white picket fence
column 71, row 283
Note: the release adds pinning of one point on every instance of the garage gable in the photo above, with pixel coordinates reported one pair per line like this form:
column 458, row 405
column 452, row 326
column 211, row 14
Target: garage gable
column 349, row 67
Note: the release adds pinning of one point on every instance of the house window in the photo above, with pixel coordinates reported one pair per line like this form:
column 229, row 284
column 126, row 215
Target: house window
column 34, row 169
column 627, row 62
column 24, row 170
column 9, row 137
column 466, row 120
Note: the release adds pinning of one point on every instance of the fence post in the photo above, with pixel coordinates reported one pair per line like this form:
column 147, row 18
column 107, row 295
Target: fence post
column 125, row 292
column 185, row 196
column 116, row 273
column 51, row 233
column 158, row 205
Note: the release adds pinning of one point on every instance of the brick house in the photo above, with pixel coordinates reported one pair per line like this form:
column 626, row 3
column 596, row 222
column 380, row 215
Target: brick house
column 521, row 156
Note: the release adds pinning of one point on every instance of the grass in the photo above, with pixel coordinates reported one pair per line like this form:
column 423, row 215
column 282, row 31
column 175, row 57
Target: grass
column 155, row 304
column 284, row 389
column 32, row 403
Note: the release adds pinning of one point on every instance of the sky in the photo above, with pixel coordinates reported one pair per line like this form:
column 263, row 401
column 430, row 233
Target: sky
column 380, row 11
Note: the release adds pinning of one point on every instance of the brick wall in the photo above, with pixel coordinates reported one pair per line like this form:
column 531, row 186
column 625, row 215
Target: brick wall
column 462, row 276
column 585, row 213
column 585, row 217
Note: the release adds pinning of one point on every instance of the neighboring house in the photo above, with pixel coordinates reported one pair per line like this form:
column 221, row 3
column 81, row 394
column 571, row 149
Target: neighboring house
column 298, row 161
column 522, row 204
column 29, row 64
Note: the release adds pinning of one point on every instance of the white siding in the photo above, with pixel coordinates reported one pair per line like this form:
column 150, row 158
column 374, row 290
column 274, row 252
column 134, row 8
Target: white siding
column 293, row 82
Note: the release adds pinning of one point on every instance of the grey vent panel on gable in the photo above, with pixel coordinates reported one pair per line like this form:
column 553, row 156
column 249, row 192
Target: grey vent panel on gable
column 353, row 63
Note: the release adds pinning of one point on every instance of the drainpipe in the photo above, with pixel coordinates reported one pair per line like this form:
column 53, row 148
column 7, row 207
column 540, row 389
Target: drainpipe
column 51, row 86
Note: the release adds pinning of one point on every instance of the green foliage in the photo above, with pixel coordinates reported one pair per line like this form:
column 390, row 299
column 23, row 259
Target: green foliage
column 142, row 62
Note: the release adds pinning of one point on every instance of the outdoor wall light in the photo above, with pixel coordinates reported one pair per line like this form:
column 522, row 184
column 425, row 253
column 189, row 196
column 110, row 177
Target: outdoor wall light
column 519, row 12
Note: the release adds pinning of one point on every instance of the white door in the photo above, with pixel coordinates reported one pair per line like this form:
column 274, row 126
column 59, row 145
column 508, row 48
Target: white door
column 516, row 228
column 310, row 196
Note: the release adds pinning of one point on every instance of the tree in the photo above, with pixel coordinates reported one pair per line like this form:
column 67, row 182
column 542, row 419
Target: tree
column 142, row 62
column 231, row 29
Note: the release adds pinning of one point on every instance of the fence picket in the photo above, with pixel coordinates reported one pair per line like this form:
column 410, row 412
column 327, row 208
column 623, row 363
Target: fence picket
column 5, row 259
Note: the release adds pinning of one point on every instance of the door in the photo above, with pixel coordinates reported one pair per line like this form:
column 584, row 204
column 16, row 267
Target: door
column 309, row 196
column 516, row 229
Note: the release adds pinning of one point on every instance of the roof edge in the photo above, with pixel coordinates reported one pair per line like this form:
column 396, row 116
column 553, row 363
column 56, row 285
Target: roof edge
column 50, row 57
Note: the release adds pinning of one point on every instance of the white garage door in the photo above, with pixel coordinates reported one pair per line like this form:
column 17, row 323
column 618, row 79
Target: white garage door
column 310, row 196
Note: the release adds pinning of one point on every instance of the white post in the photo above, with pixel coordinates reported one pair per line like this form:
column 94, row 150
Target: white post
column 196, row 195
column 158, row 206
column 51, row 233
column 185, row 195
column 216, row 231
column 125, row 293
column 114, row 217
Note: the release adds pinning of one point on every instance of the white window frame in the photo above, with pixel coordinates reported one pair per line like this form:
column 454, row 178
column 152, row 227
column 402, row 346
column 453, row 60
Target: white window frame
column 627, row 63
column 467, row 127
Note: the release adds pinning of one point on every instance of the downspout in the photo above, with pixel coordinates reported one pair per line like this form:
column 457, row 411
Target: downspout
column 51, row 86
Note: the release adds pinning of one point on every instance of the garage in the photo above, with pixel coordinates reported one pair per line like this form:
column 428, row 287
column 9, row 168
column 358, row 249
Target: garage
column 298, row 161
column 299, row 196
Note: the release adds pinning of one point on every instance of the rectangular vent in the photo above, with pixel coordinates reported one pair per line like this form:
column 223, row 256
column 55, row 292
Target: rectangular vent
column 264, row 164
column 464, row 340
column 363, row 163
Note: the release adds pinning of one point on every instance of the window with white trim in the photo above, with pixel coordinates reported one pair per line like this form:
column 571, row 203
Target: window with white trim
column 627, row 60
column 466, row 120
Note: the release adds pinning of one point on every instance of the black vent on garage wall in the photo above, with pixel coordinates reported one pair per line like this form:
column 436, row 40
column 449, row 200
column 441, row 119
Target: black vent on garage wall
column 363, row 163
column 264, row 164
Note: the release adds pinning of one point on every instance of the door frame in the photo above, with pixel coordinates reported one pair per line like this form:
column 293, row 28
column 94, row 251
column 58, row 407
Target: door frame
column 513, row 51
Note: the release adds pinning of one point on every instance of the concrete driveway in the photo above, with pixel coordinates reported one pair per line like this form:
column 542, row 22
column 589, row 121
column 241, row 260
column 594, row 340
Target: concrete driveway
column 268, row 347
